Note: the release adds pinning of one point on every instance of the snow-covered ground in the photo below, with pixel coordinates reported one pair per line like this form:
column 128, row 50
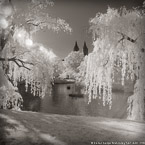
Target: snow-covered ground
column 29, row 128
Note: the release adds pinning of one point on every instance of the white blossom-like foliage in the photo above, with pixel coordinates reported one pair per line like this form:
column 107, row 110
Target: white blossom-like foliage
column 31, row 65
column 36, row 17
column 118, row 43
column 20, row 57
column 71, row 64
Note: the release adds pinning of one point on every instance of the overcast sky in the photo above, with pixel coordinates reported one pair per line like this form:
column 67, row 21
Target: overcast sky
column 77, row 13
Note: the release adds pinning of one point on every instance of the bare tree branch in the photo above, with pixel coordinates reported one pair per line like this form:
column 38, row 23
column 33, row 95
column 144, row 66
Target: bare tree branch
column 125, row 37
column 19, row 62
column 10, row 79
column 29, row 20
column 106, row 62
column 36, row 24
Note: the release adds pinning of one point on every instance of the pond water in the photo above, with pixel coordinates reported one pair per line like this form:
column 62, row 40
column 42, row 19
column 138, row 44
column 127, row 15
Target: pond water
column 61, row 103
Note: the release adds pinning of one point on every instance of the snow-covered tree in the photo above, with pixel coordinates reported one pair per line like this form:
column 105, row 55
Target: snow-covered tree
column 71, row 64
column 58, row 67
column 118, row 43
column 21, row 58
column 82, row 70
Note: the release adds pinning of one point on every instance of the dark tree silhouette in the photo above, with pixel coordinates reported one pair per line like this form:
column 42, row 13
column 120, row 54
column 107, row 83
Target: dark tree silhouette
column 76, row 48
column 85, row 49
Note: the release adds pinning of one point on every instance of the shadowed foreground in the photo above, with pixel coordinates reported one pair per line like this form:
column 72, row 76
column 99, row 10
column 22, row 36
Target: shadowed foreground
column 28, row 128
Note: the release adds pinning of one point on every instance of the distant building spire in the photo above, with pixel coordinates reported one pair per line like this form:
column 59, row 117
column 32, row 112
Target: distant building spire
column 76, row 48
column 85, row 49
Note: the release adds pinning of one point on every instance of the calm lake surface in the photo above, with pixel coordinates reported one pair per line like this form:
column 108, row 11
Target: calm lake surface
column 61, row 103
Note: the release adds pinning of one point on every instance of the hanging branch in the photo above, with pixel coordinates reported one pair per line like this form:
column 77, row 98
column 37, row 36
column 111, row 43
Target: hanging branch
column 35, row 24
column 125, row 37
column 106, row 62
column 10, row 80
column 19, row 62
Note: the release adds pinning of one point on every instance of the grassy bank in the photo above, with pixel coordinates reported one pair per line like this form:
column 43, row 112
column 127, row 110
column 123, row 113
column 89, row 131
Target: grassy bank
column 29, row 128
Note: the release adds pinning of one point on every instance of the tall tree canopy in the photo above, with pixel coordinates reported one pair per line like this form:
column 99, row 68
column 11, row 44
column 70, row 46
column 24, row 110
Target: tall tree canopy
column 21, row 58
column 118, row 43
column 71, row 64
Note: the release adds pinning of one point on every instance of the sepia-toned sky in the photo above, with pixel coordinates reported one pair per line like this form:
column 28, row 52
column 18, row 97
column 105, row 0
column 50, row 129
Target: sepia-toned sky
column 77, row 13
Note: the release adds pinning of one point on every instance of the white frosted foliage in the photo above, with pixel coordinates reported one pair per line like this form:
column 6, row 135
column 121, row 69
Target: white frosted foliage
column 22, row 59
column 118, row 44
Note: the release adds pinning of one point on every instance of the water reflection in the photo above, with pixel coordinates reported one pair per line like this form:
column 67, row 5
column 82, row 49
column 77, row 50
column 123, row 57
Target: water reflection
column 61, row 103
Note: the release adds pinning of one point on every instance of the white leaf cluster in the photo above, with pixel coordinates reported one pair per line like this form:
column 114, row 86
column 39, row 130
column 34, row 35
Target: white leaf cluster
column 71, row 64
column 118, row 40
column 30, row 62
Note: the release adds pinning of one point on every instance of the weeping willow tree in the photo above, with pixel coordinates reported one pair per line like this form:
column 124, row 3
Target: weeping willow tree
column 20, row 58
column 118, row 45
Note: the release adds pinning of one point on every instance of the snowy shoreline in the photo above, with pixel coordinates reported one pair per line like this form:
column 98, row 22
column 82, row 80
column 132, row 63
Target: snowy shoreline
column 22, row 127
